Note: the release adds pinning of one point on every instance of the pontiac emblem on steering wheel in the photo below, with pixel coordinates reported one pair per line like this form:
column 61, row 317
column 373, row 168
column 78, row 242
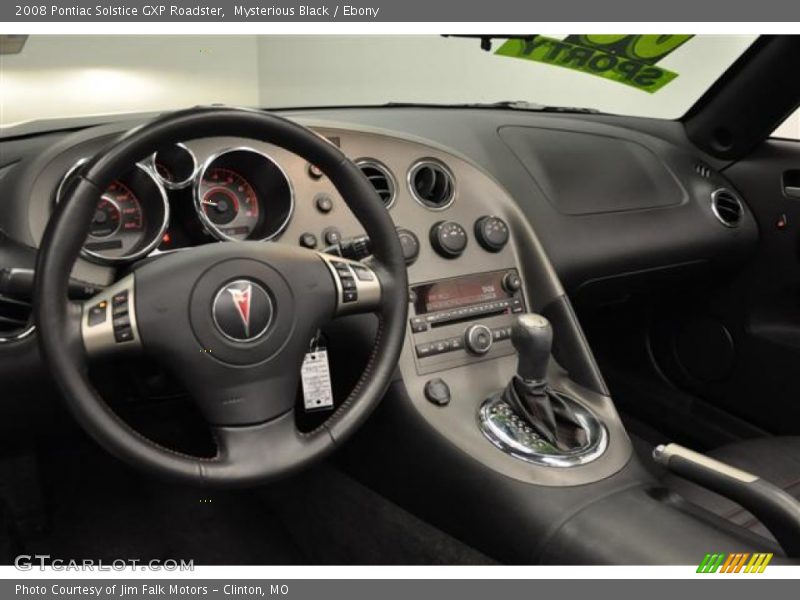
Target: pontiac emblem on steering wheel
column 242, row 310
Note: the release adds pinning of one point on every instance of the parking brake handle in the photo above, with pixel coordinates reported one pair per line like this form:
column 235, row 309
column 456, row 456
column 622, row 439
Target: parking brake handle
column 777, row 510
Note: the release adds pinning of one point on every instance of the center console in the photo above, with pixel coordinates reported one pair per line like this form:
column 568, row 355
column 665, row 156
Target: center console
column 462, row 320
column 501, row 440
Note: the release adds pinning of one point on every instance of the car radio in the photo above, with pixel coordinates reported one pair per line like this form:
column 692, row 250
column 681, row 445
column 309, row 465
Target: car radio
column 464, row 319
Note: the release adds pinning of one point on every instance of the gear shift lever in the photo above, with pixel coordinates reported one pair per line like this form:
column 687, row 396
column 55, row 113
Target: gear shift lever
column 531, row 422
column 528, row 393
column 532, row 336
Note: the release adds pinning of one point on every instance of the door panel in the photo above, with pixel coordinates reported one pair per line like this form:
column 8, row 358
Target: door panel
column 737, row 342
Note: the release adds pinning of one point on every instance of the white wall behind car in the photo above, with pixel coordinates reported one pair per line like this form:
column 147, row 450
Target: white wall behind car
column 65, row 76
column 80, row 75
column 790, row 128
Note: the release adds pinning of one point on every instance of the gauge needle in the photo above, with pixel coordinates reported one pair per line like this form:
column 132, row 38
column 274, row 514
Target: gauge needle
column 209, row 202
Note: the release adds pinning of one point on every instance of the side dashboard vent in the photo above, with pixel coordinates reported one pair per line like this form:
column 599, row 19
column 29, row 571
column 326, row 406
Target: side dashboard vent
column 727, row 207
column 432, row 184
column 16, row 319
column 381, row 179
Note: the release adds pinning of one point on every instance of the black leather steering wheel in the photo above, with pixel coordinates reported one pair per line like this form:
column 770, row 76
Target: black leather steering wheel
column 231, row 320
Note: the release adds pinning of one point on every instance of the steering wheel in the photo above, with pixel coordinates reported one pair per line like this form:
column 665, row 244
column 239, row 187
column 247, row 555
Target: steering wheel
column 231, row 320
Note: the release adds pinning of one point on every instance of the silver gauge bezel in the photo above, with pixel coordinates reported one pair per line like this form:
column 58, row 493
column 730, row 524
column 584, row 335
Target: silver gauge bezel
column 386, row 171
column 144, row 250
column 210, row 226
column 439, row 164
column 175, row 185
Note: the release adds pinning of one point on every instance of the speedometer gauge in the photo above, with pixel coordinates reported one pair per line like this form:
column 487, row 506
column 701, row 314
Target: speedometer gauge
column 242, row 194
column 230, row 202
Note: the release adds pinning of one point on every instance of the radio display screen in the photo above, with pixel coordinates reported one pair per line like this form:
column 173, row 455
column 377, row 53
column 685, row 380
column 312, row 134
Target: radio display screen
column 449, row 294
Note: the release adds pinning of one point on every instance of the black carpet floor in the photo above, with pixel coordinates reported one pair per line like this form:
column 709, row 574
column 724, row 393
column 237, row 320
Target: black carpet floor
column 100, row 508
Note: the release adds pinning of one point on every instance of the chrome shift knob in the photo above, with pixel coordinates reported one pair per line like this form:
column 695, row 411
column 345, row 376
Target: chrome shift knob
column 532, row 336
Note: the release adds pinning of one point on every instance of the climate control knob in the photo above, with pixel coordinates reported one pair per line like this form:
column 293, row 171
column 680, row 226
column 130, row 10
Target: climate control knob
column 491, row 233
column 478, row 339
column 448, row 239
column 409, row 243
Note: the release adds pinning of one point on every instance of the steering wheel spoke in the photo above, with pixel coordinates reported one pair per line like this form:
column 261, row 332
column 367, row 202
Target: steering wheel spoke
column 358, row 285
column 276, row 445
column 108, row 321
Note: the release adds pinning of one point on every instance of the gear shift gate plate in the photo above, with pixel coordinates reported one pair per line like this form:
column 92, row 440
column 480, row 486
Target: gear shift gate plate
column 503, row 428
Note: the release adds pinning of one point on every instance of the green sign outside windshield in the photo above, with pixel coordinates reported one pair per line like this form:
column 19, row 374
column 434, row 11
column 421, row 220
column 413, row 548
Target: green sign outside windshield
column 629, row 59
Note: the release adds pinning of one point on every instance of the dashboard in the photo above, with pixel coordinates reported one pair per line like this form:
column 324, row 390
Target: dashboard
column 451, row 216
column 489, row 206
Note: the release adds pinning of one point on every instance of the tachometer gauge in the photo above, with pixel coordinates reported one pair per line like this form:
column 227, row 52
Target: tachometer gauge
column 107, row 219
column 119, row 211
column 230, row 202
column 130, row 219
column 242, row 194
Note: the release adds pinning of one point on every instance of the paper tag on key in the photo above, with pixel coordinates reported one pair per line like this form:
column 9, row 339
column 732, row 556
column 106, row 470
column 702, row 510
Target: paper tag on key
column 316, row 377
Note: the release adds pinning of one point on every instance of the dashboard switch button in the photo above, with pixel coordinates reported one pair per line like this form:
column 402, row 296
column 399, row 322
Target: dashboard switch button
column 363, row 273
column 97, row 313
column 332, row 236
column 123, row 335
column 438, row 392
column 424, row 350
column 119, row 299
column 418, row 325
column 308, row 240
column 323, row 203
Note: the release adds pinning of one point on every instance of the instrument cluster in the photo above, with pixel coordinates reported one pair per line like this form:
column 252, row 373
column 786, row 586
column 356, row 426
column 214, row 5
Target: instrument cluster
column 170, row 201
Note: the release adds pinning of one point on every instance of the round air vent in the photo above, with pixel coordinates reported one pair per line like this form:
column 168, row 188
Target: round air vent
column 432, row 184
column 16, row 319
column 381, row 179
column 727, row 207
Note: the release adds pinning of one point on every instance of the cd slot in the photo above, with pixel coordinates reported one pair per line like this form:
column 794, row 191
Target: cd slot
column 470, row 317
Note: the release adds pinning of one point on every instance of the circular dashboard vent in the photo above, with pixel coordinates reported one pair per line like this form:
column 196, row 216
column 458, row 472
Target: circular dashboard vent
column 16, row 318
column 432, row 184
column 381, row 179
column 727, row 207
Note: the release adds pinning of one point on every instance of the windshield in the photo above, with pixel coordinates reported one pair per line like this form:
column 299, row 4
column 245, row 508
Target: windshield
column 58, row 77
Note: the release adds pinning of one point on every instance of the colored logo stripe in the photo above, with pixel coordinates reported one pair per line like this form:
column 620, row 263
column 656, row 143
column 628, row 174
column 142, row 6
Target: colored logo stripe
column 758, row 563
column 711, row 563
column 734, row 563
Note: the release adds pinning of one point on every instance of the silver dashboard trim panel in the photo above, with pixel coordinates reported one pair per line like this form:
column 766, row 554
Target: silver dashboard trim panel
column 99, row 339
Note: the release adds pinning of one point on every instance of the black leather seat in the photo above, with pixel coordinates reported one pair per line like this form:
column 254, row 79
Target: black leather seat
column 774, row 459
